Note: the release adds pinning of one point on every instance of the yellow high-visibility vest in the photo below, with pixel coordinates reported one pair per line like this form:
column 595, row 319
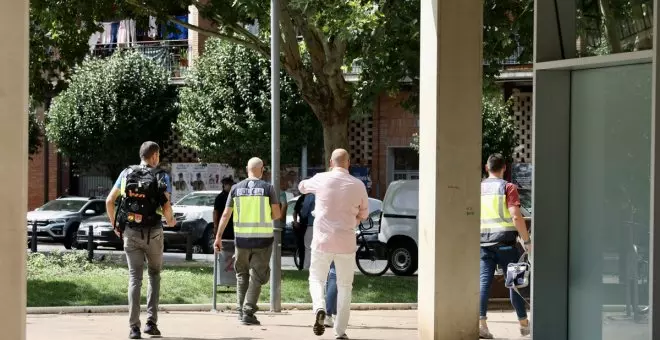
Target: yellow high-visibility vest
column 252, row 217
column 496, row 221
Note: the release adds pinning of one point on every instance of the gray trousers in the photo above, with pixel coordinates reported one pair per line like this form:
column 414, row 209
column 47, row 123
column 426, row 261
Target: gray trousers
column 140, row 246
column 252, row 268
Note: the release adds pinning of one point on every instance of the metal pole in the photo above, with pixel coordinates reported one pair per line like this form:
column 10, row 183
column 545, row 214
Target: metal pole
column 303, row 169
column 33, row 237
column 276, row 258
column 215, row 282
column 90, row 243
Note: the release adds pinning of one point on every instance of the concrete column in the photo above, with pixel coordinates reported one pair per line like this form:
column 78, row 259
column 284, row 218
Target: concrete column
column 450, row 154
column 13, row 165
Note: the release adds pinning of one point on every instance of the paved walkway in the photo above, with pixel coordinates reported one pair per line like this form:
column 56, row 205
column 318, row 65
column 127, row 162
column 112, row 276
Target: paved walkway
column 366, row 325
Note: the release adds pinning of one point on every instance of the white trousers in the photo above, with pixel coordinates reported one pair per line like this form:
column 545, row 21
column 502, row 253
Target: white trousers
column 309, row 234
column 318, row 275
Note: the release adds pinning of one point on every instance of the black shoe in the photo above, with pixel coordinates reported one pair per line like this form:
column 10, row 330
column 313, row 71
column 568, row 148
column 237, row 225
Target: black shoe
column 151, row 329
column 240, row 315
column 250, row 319
column 135, row 333
column 319, row 323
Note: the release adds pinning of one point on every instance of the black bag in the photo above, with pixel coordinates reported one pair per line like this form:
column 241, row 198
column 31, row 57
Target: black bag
column 143, row 195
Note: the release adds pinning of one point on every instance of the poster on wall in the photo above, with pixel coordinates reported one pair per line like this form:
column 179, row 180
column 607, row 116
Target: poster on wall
column 189, row 177
column 521, row 175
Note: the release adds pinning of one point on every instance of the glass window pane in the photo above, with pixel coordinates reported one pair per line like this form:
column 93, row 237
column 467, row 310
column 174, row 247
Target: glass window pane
column 609, row 203
column 406, row 159
column 613, row 26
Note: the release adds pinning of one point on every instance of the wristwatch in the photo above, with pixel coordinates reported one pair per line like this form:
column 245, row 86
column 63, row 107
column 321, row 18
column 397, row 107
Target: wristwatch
column 528, row 242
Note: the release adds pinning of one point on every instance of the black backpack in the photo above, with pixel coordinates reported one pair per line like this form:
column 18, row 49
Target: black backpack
column 143, row 195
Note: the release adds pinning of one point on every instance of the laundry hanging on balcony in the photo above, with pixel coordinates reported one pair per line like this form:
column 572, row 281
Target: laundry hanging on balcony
column 126, row 36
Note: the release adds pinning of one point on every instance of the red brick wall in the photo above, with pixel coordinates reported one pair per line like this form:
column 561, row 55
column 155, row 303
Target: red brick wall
column 36, row 177
column 393, row 126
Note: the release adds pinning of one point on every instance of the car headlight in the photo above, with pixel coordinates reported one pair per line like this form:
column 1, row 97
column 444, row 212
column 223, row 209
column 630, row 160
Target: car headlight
column 57, row 221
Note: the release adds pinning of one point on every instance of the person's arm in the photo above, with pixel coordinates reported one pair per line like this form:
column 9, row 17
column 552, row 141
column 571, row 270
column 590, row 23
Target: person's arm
column 110, row 201
column 167, row 206
column 297, row 207
column 275, row 211
column 363, row 212
column 309, row 186
column 513, row 203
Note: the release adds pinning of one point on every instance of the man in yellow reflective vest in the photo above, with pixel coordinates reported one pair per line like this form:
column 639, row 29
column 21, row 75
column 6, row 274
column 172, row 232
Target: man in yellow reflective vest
column 501, row 225
column 256, row 205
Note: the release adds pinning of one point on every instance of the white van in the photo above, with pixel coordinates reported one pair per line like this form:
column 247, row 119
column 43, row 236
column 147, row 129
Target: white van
column 399, row 226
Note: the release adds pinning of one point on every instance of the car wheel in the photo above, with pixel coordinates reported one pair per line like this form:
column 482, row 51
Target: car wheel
column 208, row 240
column 71, row 237
column 403, row 258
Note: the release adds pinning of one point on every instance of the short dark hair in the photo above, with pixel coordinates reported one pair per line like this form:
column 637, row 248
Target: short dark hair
column 148, row 149
column 227, row 180
column 496, row 162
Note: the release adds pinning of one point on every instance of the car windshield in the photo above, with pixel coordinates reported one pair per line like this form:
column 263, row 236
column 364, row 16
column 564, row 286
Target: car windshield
column 526, row 199
column 195, row 199
column 63, row 205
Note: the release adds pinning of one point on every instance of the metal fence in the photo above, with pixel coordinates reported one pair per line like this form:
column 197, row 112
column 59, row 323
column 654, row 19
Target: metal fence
column 173, row 55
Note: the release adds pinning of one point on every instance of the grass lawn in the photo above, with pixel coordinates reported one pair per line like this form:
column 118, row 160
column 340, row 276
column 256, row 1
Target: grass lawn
column 68, row 280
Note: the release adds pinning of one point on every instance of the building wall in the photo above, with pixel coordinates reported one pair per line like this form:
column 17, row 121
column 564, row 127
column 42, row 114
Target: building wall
column 393, row 126
column 36, row 182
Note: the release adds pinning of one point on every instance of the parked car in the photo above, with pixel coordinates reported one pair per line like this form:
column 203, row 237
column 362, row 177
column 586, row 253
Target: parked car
column 102, row 233
column 59, row 220
column 399, row 224
column 193, row 212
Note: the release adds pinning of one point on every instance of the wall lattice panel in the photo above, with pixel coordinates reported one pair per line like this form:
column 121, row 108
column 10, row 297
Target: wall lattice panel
column 522, row 113
column 174, row 152
column 360, row 140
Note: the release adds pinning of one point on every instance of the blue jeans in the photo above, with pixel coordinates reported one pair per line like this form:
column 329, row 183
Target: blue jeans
column 331, row 291
column 490, row 258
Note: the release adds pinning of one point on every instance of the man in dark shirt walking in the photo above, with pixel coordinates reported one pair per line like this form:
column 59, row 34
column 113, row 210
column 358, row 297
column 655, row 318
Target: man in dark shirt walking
column 219, row 207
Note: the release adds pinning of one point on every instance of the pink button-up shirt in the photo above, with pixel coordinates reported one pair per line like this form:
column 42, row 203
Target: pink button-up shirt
column 341, row 203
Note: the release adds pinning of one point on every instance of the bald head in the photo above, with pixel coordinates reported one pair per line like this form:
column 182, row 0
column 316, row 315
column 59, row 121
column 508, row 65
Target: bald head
column 255, row 167
column 340, row 159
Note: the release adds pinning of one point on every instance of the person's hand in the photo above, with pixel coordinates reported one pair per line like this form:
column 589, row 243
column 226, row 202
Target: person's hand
column 528, row 248
column 217, row 245
column 117, row 232
column 171, row 222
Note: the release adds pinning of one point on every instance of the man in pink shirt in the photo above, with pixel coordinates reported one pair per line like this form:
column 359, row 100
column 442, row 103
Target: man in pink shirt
column 341, row 203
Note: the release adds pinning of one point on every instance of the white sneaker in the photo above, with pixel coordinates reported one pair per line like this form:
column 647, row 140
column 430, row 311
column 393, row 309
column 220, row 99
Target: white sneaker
column 329, row 321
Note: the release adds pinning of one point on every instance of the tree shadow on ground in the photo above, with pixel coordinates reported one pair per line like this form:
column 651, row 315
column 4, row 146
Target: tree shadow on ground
column 51, row 293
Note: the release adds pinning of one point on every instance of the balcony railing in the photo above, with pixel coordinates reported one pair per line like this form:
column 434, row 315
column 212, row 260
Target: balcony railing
column 173, row 55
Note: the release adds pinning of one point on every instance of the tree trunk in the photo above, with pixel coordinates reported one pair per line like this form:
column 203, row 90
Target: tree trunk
column 610, row 24
column 335, row 134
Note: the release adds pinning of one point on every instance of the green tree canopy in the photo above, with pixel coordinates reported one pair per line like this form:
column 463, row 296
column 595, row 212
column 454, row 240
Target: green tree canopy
column 225, row 109
column 322, row 38
column 110, row 107
column 498, row 128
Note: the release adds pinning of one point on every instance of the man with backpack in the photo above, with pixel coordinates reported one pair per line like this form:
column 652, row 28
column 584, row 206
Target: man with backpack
column 144, row 192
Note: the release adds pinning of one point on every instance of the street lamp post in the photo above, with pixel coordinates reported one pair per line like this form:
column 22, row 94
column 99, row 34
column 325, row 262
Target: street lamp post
column 276, row 258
